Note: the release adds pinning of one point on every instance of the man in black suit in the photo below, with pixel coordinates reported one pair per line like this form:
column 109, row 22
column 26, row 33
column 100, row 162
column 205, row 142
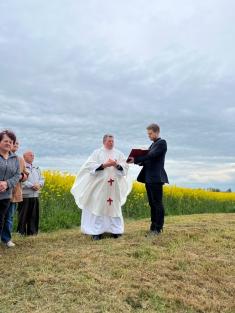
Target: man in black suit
column 154, row 176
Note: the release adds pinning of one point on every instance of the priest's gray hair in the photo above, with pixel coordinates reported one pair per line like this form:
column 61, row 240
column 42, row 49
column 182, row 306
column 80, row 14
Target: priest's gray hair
column 107, row 136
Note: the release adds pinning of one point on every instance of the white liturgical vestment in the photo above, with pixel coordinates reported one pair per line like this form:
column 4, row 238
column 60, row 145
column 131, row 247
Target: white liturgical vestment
column 101, row 193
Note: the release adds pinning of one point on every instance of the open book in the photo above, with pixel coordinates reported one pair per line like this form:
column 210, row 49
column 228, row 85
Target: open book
column 137, row 152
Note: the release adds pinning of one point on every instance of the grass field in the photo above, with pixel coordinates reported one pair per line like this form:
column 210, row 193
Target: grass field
column 188, row 269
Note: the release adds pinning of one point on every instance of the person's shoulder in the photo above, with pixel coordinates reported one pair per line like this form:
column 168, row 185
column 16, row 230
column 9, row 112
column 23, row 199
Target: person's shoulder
column 161, row 141
column 96, row 151
column 21, row 159
column 12, row 155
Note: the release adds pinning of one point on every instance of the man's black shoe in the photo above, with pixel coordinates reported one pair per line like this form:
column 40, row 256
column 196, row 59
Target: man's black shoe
column 115, row 236
column 96, row 237
column 153, row 233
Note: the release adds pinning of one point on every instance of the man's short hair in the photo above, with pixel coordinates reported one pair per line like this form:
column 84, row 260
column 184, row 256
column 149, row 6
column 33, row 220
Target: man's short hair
column 107, row 136
column 154, row 127
column 9, row 134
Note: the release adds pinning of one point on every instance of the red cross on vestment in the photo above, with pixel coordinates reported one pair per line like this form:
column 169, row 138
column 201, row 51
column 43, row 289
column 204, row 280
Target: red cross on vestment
column 110, row 201
column 111, row 181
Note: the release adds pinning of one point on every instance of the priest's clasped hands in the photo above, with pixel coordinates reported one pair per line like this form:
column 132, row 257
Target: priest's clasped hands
column 110, row 163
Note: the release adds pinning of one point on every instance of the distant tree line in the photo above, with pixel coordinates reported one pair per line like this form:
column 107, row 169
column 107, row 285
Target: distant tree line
column 218, row 190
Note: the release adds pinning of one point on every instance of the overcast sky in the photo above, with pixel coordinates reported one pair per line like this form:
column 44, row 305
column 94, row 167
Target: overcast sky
column 72, row 70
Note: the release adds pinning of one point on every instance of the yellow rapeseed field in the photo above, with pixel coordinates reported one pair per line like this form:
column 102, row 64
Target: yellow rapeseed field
column 62, row 182
column 58, row 208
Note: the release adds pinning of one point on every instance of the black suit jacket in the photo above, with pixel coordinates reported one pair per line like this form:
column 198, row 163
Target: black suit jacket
column 153, row 163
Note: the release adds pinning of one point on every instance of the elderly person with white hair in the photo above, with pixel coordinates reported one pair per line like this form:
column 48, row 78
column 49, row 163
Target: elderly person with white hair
column 28, row 219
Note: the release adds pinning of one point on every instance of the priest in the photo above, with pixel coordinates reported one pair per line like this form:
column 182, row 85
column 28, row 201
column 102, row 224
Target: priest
column 100, row 189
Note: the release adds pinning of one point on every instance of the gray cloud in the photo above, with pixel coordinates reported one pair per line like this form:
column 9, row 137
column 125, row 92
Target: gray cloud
column 73, row 70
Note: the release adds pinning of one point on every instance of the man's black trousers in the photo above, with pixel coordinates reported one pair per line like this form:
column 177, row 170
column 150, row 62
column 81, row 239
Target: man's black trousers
column 155, row 198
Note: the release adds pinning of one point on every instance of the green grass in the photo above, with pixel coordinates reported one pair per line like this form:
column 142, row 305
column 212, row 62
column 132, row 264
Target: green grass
column 59, row 212
column 188, row 269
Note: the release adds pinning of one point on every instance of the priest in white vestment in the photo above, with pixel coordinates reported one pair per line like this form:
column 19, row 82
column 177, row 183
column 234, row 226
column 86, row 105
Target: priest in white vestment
column 100, row 189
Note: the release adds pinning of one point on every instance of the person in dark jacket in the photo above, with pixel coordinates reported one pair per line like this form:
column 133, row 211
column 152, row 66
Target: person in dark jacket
column 154, row 176
column 9, row 172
